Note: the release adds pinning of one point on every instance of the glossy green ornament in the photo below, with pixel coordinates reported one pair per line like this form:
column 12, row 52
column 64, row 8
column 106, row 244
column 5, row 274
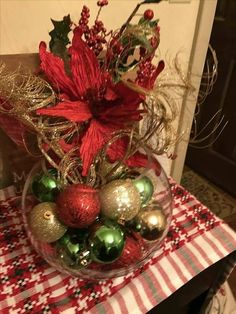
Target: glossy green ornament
column 44, row 186
column 82, row 259
column 106, row 243
column 71, row 249
column 145, row 188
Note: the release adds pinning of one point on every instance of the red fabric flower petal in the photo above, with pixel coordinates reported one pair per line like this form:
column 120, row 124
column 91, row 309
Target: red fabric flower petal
column 149, row 81
column 155, row 74
column 53, row 67
column 124, row 109
column 123, row 115
column 118, row 149
column 84, row 66
column 128, row 95
column 76, row 111
column 110, row 94
column 65, row 146
column 93, row 140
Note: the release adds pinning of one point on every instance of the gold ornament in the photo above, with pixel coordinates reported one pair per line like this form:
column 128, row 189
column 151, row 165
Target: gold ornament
column 44, row 224
column 120, row 200
column 151, row 223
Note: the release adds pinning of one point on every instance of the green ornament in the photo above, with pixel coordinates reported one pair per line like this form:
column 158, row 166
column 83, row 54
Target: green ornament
column 44, row 186
column 71, row 249
column 145, row 188
column 66, row 242
column 106, row 243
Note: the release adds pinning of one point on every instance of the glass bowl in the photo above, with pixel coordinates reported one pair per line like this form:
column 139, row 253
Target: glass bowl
column 98, row 233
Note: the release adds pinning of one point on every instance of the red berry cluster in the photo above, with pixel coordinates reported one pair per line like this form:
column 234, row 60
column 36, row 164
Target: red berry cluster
column 114, row 49
column 154, row 42
column 84, row 19
column 116, row 46
column 94, row 36
column 102, row 3
column 146, row 69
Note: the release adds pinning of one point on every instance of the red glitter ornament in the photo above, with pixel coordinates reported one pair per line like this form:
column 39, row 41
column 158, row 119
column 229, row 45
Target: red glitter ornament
column 132, row 253
column 78, row 205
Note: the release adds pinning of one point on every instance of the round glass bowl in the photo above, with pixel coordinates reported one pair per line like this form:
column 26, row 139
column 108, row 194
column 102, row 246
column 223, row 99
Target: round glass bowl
column 102, row 232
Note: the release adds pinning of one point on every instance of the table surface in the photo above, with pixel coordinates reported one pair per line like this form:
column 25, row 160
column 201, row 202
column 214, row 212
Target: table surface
column 197, row 239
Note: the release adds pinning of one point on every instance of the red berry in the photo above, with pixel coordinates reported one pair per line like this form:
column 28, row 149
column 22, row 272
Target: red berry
column 154, row 42
column 116, row 46
column 99, row 23
column 148, row 14
column 85, row 9
column 158, row 29
column 101, row 3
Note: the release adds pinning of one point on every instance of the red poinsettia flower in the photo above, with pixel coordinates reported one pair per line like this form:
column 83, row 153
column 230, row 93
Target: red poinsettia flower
column 89, row 97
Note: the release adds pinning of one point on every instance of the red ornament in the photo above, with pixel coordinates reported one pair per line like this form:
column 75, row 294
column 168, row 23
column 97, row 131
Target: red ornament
column 132, row 252
column 78, row 205
column 148, row 14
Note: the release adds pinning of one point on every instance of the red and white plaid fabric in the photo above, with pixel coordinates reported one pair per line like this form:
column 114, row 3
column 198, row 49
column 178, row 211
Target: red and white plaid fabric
column 196, row 240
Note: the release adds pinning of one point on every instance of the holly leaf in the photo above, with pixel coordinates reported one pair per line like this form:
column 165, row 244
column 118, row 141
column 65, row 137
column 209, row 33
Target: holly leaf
column 59, row 37
column 154, row 23
column 145, row 22
column 136, row 39
column 123, row 68
column 142, row 21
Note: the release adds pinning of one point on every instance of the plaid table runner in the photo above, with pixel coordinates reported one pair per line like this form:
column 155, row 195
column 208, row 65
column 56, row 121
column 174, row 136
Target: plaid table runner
column 196, row 240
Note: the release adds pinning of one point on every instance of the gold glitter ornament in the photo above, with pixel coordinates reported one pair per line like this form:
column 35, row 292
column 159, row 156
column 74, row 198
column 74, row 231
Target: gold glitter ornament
column 120, row 200
column 44, row 224
column 151, row 223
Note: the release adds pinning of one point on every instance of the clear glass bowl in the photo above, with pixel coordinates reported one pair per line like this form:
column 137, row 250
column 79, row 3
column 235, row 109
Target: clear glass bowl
column 130, row 216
